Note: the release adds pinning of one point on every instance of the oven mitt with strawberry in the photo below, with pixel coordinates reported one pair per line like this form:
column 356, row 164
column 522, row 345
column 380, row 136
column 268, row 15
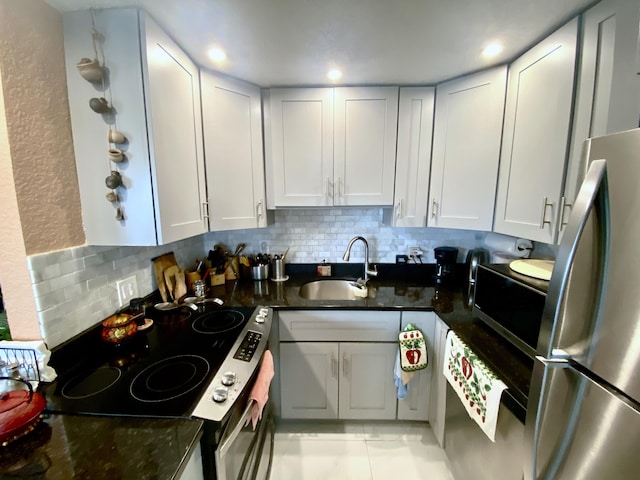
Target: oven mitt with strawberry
column 413, row 349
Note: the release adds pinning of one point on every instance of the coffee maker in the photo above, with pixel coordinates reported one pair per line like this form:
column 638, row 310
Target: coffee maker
column 445, row 264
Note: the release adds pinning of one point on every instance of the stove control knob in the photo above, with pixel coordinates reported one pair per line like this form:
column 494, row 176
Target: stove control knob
column 264, row 312
column 229, row 378
column 220, row 394
column 260, row 319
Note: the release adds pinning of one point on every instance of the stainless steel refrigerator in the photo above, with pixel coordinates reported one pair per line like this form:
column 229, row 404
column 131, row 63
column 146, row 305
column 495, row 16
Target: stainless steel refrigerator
column 583, row 413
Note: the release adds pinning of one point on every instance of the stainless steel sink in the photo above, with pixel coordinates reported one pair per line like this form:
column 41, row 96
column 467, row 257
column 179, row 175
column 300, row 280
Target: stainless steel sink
column 332, row 290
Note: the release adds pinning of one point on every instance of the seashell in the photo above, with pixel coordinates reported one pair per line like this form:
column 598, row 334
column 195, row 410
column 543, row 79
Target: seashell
column 112, row 197
column 116, row 137
column 116, row 155
column 114, row 180
column 119, row 214
column 90, row 70
column 99, row 105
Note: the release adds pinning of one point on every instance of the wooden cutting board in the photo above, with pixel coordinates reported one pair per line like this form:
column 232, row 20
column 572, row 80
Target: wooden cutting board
column 160, row 264
column 170, row 280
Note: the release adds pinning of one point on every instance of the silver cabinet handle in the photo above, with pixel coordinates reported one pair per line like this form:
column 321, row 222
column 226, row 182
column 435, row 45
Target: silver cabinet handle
column 345, row 365
column 545, row 204
column 330, row 192
column 259, row 211
column 563, row 205
column 434, row 208
column 399, row 209
column 334, row 366
column 339, row 184
column 205, row 210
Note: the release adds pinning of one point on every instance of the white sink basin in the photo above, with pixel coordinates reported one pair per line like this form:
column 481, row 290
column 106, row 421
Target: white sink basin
column 332, row 290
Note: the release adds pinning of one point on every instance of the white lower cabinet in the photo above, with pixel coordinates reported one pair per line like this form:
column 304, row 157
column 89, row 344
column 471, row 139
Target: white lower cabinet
column 339, row 365
column 338, row 380
column 437, row 406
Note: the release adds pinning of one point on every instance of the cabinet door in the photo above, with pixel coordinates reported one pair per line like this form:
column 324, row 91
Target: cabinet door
column 413, row 159
column 301, row 154
column 233, row 152
column 536, row 135
column 438, row 403
column 309, row 380
column 415, row 406
column 466, row 150
column 607, row 81
column 172, row 90
column 366, row 121
column 366, row 381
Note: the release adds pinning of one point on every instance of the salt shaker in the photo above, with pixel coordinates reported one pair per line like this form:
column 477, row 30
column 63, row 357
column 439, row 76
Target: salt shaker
column 198, row 288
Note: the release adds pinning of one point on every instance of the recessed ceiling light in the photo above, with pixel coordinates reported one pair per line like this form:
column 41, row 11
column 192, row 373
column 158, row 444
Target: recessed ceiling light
column 217, row 54
column 334, row 74
column 492, row 50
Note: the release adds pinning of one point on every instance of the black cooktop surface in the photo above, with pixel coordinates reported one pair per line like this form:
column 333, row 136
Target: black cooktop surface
column 160, row 372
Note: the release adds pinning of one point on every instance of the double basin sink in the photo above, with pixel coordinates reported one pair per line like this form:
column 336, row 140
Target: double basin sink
column 333, row 290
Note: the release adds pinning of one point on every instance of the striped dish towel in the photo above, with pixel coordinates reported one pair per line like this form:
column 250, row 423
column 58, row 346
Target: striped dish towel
column 478, row 388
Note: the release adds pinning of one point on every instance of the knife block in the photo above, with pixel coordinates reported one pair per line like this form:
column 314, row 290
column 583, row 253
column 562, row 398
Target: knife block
column 217, row 279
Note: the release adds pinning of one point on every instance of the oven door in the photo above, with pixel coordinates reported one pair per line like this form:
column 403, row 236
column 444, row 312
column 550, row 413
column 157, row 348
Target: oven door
column 243, row 453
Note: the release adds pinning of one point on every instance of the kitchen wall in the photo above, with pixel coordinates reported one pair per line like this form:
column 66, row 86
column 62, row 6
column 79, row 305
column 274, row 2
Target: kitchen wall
column 75, row 288
column 320, row 234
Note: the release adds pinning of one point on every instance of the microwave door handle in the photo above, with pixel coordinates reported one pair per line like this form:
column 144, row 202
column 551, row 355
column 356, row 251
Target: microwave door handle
column 224, row 446
column 592, row 194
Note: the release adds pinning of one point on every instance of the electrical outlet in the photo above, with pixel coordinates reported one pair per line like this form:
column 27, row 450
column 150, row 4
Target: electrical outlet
column 415, row 252
column 127, row 289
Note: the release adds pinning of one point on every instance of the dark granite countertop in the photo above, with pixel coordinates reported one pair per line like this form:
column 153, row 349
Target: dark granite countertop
column 71, row 446
column 409, row 287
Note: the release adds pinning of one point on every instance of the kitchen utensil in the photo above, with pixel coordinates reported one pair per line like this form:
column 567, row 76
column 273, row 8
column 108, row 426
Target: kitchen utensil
column 180, row 285
column 118, row 328
column 160, row 264
column 260, row 272
column 170, row 280
column 19, row 411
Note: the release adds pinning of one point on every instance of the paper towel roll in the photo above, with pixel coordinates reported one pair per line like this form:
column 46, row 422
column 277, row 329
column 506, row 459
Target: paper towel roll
column 516, row 247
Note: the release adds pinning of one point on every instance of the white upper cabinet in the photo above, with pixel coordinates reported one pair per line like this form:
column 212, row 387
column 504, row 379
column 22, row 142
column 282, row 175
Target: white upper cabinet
column 413, row 158
column 466, row 150
column 154, row 91
column 330, row 147
column 365, row 129
column 232, row 120
column 607, row 84
column 300, row 160
column 536, row 137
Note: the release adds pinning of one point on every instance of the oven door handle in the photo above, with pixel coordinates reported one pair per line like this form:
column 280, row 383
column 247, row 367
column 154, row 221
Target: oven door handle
column 236, row 429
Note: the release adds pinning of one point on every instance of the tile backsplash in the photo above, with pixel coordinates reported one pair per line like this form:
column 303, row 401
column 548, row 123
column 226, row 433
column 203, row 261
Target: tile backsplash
column 75, row 289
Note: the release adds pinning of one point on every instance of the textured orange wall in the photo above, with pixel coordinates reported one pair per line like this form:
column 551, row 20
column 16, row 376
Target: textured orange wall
column 37, row 112
column 39, row 199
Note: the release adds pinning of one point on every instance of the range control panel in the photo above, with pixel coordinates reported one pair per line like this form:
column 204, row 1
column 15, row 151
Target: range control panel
column 238, row 368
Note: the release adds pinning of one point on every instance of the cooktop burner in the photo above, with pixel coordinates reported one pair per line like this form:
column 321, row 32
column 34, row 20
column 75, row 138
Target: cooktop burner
column 161, row 372
column 218, row 321
column 169, row 378
column 91, row 382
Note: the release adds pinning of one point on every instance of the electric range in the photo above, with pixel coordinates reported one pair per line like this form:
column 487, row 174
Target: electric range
column 162, row 371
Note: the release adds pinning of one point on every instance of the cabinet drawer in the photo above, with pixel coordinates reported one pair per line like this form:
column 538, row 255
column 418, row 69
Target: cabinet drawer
column 339, row 325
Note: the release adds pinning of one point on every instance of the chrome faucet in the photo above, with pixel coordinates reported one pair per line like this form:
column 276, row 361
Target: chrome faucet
column 367, row 271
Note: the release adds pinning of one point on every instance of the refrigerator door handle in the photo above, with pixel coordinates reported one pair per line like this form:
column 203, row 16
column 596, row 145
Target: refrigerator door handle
column 593, row 193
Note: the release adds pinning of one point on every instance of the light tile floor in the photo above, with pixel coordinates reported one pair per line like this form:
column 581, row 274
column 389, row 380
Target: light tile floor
column 357, row 451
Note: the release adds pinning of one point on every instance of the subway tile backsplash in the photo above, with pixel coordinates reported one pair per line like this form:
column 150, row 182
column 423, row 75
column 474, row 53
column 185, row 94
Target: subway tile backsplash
column 75, row 289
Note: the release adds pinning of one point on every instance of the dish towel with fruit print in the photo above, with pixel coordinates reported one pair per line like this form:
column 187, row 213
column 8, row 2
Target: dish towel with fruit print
column 477, row 386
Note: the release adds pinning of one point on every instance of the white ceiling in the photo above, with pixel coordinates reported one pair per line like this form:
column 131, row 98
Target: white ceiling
column 295, row 42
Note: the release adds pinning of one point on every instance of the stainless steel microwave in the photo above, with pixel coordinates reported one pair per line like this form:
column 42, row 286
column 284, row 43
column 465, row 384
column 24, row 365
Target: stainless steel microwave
column 511, row 304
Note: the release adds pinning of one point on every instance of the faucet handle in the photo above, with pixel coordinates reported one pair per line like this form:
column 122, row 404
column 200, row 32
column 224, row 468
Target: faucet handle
column 373, row 272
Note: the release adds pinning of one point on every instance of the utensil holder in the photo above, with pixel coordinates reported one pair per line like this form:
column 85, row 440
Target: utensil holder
column 260, row 272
